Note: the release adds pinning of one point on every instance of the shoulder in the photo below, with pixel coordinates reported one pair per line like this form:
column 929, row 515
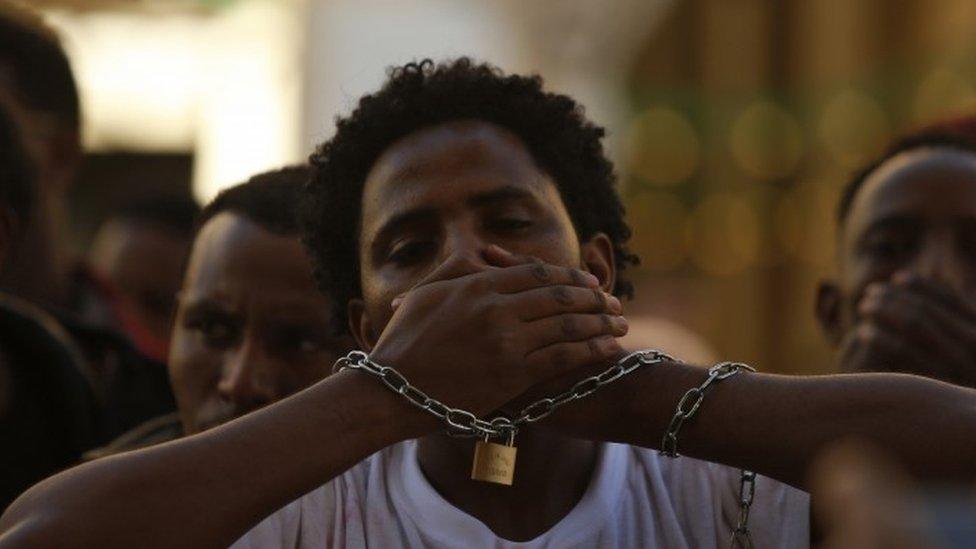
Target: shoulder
column 155, row 431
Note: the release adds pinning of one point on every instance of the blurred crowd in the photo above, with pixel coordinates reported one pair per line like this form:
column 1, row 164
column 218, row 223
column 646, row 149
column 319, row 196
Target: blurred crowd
column 180, row 319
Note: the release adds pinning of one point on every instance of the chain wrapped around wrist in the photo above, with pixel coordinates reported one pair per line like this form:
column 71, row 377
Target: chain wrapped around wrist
column 692, row 400
column 462, row 423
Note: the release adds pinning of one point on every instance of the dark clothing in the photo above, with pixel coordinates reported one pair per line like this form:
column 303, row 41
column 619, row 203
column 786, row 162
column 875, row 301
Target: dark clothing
column 155, row 431
column 131, row 388
column 48, row 412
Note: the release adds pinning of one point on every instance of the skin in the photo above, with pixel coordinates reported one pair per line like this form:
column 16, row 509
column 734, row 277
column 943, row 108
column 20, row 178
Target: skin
column 904, row 298
column 452, row 192
column 41, row 272
column 251, row 327
column 144, row 262
column 479, row 332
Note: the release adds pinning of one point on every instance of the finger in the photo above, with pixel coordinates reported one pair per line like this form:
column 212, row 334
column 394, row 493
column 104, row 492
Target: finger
column 873, row 348
column 561, row 358
column 941, row 331
column 572, row 327
column 940, row 293
column 554, row 300
column 534, row 275
column 496, row 256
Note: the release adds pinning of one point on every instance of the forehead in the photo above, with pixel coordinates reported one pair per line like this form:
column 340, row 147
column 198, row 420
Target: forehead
column 234, row 256
column 930, row 183
column 439, row 166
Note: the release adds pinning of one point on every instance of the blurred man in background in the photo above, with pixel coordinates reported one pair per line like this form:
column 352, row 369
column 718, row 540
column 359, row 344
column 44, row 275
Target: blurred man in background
column 251, row 326
column 46, row 406
column 137, row 259
column 904, row 297
column 38, row 89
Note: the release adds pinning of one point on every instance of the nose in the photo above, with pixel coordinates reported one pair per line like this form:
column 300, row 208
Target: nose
column 939, row 262
column 463, row 242
column 247, row 380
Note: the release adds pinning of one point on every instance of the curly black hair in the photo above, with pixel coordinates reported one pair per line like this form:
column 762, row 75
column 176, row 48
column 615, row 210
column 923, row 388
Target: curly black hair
column 922, row 140
column 270, row 199
column 423, row 94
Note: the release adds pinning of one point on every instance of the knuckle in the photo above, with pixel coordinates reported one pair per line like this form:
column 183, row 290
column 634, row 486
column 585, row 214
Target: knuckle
column 562, row 295
column 568, row 326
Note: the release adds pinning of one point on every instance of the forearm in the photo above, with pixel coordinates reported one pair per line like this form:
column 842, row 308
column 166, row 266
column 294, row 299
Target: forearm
column 208, row 489
column 776, row 424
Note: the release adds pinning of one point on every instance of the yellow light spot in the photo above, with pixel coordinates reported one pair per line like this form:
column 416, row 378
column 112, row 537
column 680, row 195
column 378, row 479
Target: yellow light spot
column 766, row 141
column 853, row 128
column 663, row 146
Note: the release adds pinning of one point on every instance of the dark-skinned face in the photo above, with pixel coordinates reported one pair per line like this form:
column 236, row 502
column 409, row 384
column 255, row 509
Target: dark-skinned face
column 144, row 263
column 911, row 225
column 450, row 189
column 251, row 327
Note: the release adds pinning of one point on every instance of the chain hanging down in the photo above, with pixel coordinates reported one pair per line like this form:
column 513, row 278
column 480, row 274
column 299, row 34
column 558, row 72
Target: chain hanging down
column 741, row 538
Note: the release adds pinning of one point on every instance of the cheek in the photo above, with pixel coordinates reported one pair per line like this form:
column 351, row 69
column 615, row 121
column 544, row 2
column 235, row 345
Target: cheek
column 193, row 371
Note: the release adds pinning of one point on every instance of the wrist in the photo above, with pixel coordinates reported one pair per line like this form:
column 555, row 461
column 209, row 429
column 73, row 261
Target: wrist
column 394, row 418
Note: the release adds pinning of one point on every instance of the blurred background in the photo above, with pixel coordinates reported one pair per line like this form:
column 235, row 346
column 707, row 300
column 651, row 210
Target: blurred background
column 733, row 123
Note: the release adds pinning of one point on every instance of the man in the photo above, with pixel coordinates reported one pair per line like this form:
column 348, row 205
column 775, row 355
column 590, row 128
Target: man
column 476, row 239
column 38, row 90
column 46, row 406
column 137, row 258
column 904, row 297
column 251, row 328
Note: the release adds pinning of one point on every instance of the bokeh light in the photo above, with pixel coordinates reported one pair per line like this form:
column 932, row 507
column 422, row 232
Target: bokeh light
column 943, row 92
column 853, row 128
column 766, row 141
column 663, row 146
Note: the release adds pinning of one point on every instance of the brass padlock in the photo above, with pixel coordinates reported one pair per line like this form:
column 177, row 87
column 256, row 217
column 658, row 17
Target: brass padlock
column 494, row 462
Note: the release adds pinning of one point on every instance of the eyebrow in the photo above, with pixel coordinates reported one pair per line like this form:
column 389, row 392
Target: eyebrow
column 396, row 222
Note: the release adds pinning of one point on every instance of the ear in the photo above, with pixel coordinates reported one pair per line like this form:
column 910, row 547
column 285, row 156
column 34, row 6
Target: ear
column 360, row 325
column 598, row 258
column 828, row 310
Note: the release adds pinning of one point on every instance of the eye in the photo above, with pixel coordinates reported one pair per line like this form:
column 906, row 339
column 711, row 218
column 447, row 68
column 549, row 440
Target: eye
column 509, row 224
column 890, row 247
column 216, row 331
column 409, row 252
column 296, row 339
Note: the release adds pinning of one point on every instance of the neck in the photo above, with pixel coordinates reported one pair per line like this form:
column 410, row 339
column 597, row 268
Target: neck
column 551, row 474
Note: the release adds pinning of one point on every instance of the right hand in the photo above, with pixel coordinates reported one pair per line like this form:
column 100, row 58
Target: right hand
column 475, row 336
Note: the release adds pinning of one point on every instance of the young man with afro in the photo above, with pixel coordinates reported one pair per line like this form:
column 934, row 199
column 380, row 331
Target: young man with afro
column 467, row 219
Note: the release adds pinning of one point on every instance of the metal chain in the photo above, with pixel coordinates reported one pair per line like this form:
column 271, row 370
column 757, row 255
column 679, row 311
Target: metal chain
column 692, row 400
column 462, row 423
column 741, row 538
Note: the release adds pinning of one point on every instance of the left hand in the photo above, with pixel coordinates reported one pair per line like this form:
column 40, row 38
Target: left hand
column 917, row 327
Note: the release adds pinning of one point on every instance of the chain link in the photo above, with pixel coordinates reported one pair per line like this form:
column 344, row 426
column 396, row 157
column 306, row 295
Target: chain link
column 741, row 538
column 692, row 400
column 461, row 423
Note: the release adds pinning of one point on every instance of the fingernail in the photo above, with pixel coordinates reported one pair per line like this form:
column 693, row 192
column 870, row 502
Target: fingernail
column 591, row 279
column 396, row 302
column 621, row 324
column 614, row 304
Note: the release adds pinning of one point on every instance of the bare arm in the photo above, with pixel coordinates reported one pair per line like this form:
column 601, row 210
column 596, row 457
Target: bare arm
column 776, row 425
column 209, row 489
column 503, row 325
